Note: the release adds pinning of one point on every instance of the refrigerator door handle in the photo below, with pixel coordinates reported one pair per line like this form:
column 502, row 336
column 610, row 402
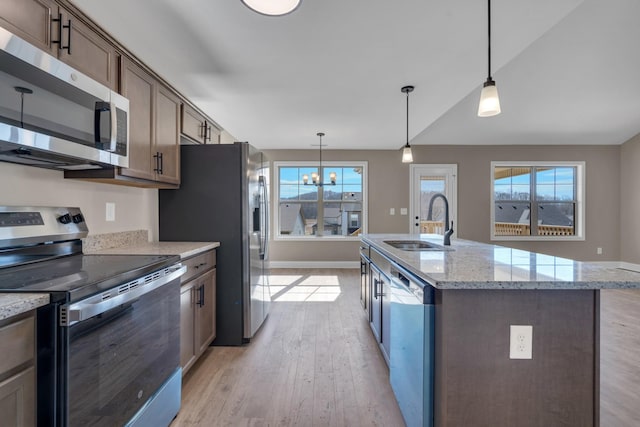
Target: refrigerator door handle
column 264, row 215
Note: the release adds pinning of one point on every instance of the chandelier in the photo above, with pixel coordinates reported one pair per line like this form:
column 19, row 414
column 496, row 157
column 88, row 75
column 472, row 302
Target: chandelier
column 316, row 178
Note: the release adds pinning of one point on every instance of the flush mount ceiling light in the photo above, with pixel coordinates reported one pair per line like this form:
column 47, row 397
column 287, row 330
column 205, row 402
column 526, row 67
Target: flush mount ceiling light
column 272, row 7
column 316, row 177
column 407, row 155
column 489, row 101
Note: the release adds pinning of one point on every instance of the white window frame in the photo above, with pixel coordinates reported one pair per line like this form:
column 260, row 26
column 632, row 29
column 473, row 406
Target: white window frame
column 325, row 164
column 580, row 200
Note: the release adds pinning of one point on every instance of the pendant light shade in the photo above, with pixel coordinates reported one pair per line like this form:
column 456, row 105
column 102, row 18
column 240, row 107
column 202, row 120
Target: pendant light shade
column 407, row 155
column 489, row 101
column 272, row 7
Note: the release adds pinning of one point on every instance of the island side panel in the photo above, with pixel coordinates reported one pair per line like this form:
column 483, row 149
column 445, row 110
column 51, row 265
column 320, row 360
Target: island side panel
column 477, row 384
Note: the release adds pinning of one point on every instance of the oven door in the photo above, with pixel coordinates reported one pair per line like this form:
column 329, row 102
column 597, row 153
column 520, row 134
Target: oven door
column 119, row 358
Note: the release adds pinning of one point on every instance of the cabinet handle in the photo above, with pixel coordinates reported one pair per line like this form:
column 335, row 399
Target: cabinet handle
column 157, row 157
column 375, row 288
column 59, row 21
column 201, row 296
column 207, row 132
column 161, row 163
column 68, row 46
column 202, row 264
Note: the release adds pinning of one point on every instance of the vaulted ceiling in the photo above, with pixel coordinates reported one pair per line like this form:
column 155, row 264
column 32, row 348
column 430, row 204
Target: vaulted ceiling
column 567, row 70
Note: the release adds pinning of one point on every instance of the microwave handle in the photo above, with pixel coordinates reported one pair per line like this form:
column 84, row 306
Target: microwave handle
column 113, row 119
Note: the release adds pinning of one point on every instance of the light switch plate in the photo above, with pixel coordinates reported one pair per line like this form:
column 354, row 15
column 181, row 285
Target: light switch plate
column 520, row 346
column 403, row 211
column 392, row 211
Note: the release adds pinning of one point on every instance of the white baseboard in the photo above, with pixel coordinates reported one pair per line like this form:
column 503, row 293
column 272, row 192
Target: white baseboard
column 314, row 264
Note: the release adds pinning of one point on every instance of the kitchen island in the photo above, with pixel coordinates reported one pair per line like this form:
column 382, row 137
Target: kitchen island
column 474, row 370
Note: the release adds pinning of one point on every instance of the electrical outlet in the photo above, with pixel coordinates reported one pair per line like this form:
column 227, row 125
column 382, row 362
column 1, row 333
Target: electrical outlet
column 520, row 346
column 403, row 211
column 392, row 211
column 598, row 251
column 110, row 211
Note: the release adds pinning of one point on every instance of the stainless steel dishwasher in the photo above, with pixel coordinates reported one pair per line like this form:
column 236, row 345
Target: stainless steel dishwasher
column 411, row 368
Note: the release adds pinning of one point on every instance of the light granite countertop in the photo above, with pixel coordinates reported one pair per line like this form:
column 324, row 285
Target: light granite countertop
column 14, row 304
column 473, row 265
column 183, row 249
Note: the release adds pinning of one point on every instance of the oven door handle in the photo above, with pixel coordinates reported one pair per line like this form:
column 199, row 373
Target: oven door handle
column 105, row 301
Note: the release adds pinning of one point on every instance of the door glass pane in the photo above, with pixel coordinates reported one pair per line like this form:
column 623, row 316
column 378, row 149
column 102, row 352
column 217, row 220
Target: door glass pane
column 432, row 220
column 512, row 218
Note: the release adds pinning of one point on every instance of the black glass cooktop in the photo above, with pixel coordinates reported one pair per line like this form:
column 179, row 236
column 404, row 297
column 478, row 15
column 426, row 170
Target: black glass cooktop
column 78, row 276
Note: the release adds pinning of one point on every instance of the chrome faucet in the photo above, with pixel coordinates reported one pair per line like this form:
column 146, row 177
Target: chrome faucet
column 448, row 231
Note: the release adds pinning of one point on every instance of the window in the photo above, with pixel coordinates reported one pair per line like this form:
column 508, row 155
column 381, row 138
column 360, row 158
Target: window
column 537, row 201
column 332, row 210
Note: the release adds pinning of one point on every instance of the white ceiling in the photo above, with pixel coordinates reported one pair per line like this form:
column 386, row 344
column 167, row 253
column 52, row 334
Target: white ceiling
column 567, row 70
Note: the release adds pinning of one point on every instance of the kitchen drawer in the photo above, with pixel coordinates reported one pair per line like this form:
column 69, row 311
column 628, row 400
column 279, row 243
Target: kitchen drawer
column 17, row 341
column 199, row 264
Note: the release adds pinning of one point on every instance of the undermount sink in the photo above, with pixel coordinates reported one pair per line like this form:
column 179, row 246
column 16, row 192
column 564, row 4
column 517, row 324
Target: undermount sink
column 416, row 245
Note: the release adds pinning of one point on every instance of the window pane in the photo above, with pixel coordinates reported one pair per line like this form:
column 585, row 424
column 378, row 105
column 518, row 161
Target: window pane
column 352, row 192
column 555, row 183
column 342, row 219
column 512, row 183
column 502, row 192
column 512, row 219
column 297, row 219
column 520, row 192
column 556, row 219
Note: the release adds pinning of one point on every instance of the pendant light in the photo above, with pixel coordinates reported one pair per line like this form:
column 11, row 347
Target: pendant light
column 316, row 177
column 272, row 7
column 407, row 155
column 489, row 101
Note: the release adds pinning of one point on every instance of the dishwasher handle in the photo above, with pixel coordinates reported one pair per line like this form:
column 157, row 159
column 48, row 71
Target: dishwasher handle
column 105, row 301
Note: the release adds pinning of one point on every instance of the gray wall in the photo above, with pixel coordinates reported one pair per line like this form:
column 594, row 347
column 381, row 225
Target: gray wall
column 389, row 187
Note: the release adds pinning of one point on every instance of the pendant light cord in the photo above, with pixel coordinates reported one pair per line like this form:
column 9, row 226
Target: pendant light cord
column 407, row 118
column 489, row 38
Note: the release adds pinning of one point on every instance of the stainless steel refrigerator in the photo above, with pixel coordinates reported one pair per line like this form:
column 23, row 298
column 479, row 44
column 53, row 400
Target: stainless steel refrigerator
column 224, row 197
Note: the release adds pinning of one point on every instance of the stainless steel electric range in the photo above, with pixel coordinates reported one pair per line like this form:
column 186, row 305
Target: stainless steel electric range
column 108, row 345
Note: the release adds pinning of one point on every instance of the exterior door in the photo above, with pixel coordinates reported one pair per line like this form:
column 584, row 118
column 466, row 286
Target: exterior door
column 427, row 207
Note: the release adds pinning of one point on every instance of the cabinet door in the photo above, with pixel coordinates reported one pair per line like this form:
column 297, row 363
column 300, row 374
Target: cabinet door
column 18, row 399
column 212, row 134
column 89, row 53
column 187, row 325
column 139, row 88
column 30, row 20
column 206, row 313
column 193, row 124
column 167, row 135
column 386, row 315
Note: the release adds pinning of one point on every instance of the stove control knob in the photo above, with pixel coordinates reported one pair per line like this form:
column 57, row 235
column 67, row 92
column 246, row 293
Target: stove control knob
column 65, row 219
column 78, row 218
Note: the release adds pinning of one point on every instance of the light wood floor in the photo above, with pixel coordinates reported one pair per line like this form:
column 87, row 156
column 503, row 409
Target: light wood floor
column 315, row 363
column 620, row 358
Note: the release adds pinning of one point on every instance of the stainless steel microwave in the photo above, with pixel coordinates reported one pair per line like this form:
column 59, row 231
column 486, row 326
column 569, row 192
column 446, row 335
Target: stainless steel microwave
column 54, row 116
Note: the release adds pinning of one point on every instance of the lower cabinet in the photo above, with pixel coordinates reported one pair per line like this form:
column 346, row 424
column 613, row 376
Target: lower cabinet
column 17, row 371
column 197, row 315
